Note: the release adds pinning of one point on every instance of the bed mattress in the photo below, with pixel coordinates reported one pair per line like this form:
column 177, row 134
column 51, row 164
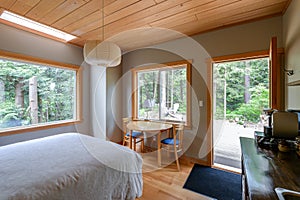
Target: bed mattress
column 69, row 166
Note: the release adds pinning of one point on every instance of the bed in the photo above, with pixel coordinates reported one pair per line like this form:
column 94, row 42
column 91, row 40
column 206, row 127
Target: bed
column 69, row 166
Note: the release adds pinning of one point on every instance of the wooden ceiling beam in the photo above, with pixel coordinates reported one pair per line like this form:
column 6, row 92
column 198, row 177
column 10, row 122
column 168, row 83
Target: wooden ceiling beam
column 234, row 9
column 221, row 21
column 62, row 10
column 165, row 6
column 78, row 14
column 186, row 11
column 85, row 22
column 7, row 4
column 159, row 1
column 22, row 7
column 143, row 37
column 42, row 8
column 134, row 8
column 117, row 6
column 83, row 18
column 257, row 13
column 146, row 16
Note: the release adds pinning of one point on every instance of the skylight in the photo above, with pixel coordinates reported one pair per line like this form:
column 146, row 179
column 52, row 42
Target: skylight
column 22, row 21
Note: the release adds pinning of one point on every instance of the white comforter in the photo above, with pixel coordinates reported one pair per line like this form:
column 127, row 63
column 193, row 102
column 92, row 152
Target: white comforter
column 69, row 166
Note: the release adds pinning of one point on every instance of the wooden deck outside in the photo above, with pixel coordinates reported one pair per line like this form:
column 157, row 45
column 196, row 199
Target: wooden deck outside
column 227, row 149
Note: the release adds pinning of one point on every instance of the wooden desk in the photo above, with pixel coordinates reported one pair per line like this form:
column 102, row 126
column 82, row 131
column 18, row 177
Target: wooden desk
column 264, row 170
column 150, row 126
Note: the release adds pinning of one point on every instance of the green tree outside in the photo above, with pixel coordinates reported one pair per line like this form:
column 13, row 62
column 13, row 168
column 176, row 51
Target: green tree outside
column 55, row 91
column 241, row 90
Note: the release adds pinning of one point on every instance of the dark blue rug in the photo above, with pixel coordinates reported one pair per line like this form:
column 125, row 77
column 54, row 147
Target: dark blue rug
column 214, row 183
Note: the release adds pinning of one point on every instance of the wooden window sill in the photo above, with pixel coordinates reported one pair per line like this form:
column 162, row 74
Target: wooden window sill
column 38, row 127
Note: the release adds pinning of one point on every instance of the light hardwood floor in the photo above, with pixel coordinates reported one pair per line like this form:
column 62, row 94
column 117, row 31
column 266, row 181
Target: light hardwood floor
column 167, row 184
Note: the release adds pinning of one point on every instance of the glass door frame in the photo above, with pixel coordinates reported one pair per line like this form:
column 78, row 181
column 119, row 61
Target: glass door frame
column 274, row 83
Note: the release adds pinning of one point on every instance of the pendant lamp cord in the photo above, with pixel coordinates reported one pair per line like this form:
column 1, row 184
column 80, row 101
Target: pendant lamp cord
column 102, row 20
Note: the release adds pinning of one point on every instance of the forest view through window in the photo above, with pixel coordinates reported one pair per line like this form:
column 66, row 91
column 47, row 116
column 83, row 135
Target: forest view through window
column 32, row 94
column 162, row 93
column 241, row 90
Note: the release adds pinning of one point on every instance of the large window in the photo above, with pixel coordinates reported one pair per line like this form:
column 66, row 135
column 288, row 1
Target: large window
column 35, row 94
column 162, row 92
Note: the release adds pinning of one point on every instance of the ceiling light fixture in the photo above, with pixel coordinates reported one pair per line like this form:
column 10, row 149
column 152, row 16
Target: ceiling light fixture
column 102, row 53
column 35, row 26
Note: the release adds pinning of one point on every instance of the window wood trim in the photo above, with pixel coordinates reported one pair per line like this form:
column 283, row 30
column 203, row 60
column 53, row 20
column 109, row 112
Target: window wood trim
column 31, row 128
column 277, row 77
column 170, row 65
column 244, row 56
column 40, row 61
column 209, row 114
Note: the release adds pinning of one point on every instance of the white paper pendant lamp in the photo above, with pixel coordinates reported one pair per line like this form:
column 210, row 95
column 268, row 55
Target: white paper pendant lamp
column 105, row 54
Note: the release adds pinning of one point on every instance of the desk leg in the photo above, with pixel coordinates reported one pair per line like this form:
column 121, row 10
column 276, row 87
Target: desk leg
column 158, row 149
column 130, row 139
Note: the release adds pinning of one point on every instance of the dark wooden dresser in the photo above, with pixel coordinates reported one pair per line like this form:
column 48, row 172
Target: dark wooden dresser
column 263, row 170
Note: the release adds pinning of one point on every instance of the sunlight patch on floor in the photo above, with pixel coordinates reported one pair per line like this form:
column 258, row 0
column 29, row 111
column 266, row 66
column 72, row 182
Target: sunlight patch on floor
column 227, row 168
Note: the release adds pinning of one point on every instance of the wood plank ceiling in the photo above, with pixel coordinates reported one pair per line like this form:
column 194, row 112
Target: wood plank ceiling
column 136, row 23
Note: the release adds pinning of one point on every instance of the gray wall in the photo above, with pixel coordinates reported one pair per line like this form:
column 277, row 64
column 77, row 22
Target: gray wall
column 25, row 43
column 244, row 38
column 113, row 104
column 291, row 31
